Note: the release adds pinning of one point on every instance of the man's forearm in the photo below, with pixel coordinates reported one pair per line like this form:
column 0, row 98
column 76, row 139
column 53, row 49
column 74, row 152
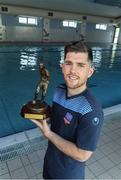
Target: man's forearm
column 62, row 144
column 68, row 147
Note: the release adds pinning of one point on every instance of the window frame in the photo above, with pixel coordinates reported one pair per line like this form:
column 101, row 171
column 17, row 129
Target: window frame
column 28, row 20
column 101, row 27
column 68, row 23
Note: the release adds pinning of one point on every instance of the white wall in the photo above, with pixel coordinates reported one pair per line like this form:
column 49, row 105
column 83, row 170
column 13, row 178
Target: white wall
column 57, row 33
column 99, row 36
column 18, row 33
column 63, row 35
column 21, row 33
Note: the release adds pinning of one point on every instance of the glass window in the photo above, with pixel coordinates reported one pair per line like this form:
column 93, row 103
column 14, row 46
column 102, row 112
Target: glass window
column 23, row 20
column 97, row 26
column 32, row 21
column 73, row 24
column 65, row 23
column 70, row 23
column 27, row 20
column 101, row 26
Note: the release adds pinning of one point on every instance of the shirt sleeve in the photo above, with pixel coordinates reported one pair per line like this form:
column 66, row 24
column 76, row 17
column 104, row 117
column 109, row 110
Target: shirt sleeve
column 88, row 130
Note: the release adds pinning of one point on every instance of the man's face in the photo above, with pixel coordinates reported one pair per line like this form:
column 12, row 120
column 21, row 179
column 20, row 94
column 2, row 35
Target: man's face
column 76, row 70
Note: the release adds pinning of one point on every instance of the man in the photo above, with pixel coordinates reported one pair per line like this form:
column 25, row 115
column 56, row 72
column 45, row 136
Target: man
column 76, row 118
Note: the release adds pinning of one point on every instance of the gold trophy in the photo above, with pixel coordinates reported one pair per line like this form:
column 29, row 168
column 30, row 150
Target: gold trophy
column 38, row 109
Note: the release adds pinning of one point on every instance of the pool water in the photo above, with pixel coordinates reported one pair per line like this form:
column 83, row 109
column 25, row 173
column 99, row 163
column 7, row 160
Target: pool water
column 19, row 75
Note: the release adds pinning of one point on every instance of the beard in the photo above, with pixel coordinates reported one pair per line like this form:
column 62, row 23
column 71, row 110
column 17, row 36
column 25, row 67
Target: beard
column 74, row 85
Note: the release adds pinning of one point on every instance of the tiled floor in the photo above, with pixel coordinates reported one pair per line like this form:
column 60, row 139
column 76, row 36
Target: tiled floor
column 27, row 161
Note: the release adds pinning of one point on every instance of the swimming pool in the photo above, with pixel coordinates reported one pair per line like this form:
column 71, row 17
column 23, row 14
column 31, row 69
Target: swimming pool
column 19, row 75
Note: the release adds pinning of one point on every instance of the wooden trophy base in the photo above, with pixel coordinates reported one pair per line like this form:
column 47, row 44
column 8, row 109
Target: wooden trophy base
column 39, row 110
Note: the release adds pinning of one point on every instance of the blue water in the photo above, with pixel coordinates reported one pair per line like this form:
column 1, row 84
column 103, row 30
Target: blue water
column 19, row 75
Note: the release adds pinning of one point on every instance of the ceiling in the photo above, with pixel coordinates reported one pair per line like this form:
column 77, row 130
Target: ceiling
column 102, row 8
column 116, row 3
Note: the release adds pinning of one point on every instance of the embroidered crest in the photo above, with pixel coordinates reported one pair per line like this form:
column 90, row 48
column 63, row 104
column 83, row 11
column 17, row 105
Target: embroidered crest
column 68, row 117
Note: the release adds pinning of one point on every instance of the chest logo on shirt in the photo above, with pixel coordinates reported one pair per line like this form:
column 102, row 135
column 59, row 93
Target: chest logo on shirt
column 95, row 121
column 68, row 117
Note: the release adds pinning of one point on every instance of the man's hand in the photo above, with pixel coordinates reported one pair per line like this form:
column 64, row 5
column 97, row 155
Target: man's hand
column 43, row 125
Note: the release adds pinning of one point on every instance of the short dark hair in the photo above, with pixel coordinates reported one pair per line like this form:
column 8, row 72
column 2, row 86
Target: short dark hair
column 78, row 46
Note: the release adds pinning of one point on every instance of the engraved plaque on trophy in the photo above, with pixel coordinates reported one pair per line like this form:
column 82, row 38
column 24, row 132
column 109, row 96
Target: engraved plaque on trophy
column 38, row 108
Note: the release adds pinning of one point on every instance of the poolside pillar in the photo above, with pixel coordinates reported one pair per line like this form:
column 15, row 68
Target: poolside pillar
column 46, row 30
column 2, row 30
column 83, row 31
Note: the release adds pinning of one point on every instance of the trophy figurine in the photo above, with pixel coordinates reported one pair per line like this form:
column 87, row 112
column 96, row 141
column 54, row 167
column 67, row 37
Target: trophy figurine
column 38, row 108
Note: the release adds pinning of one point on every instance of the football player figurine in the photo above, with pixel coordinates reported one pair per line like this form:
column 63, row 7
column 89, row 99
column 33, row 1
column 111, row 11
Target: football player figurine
column 43, row 83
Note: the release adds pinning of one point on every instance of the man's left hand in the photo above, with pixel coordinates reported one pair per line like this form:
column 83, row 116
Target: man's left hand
column 43, row 125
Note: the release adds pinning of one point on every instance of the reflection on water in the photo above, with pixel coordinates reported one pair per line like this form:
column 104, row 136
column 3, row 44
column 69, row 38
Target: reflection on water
column 113, row 55
column 107, row 59
column 61, row 57
column 31, row 57
column 103, row 59
column 19, row 74
column 28, row 60
column 97, row 57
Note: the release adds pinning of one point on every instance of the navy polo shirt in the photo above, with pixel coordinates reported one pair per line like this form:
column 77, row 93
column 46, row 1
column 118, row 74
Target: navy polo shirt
column 77, row 119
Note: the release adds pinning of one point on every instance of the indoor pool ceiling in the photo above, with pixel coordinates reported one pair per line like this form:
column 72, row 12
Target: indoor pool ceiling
column 116, row 3
column 103, row 8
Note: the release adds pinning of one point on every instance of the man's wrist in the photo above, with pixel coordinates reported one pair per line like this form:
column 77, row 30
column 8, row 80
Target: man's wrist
column 49, row 135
